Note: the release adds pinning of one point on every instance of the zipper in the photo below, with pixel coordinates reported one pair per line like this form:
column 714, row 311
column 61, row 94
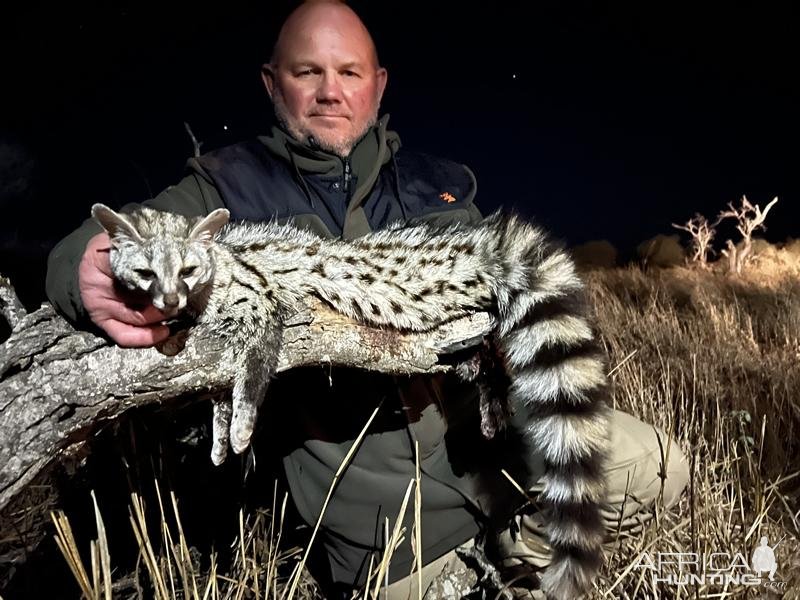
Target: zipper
column 347, row 176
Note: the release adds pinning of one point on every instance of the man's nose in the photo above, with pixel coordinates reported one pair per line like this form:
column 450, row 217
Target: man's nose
column 330, row 89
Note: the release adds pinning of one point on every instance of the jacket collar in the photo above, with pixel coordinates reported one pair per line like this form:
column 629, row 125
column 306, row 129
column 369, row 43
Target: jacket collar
column 370, row 153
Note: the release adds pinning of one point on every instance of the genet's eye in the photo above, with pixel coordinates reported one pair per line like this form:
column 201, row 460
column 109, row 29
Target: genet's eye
column 145, row 273
column 187, row 271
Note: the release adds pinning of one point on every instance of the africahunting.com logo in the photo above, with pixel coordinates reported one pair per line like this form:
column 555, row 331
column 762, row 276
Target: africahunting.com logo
column 714, row 568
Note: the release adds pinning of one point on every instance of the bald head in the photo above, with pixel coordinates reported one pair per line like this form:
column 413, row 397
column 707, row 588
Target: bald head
column 315, row 14
column 324, row 78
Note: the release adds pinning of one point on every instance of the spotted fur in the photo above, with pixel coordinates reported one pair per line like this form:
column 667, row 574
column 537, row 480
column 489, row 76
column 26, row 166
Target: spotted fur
column 247, row 276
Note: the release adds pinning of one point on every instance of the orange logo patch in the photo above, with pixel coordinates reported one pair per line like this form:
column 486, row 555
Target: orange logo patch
column 447, row 197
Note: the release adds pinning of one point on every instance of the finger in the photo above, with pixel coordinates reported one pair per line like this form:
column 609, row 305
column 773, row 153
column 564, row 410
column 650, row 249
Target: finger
column 129, row 336
column 221, row 425
column 102, row 299
column 99, row 253
column 119, row 311
column 90, row 277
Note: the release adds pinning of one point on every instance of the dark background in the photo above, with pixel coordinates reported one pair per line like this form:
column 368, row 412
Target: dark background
column 620, row 120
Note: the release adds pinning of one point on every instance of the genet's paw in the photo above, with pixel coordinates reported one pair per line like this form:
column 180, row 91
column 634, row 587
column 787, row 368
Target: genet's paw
column 243, row 417
column 469, row 369
column 240, row 437
column 221, row 426
column 174, row 344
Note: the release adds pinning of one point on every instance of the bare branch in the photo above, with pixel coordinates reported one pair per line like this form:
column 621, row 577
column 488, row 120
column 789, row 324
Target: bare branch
column 58, row 386
column 749, row 218
column 702, row 234
column 731, row 254
column 195, row 144
column 10, row 306
column 760, row 216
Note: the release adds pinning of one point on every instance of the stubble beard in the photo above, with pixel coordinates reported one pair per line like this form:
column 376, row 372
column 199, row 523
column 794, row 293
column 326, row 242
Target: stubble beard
column 340, row 148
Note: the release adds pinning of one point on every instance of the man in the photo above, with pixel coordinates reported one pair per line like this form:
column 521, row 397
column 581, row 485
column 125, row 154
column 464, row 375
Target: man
column 333, row 167
column 764, row 559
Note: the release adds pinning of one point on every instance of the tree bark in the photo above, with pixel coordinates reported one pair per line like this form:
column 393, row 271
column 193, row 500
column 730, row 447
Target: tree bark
column 58, row 386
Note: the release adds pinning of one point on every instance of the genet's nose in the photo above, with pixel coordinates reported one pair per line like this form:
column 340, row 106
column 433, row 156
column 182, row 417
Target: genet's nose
column 171, row 300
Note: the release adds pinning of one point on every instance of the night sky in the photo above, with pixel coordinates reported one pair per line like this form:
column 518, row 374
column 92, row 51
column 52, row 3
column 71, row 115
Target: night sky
column 600, row 121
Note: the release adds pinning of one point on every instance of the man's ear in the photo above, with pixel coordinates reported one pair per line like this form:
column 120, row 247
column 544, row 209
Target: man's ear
column 118, row 227
column 268, row 77
column 382, row 76
column 207, row 228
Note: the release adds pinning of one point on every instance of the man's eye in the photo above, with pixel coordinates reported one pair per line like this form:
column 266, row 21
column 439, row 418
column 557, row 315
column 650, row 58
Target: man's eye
column 350, row 74
column 187, row 271
column 145, row 273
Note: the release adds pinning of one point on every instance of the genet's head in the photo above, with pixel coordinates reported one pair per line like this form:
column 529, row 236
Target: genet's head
column 324, row 78
column 163, row 255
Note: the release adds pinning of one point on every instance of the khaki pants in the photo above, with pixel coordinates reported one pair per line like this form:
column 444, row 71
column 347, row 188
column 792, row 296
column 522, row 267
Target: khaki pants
column 634, row 486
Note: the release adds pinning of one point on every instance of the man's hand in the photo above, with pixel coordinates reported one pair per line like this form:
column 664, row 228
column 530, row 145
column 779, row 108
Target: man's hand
column 107, row 308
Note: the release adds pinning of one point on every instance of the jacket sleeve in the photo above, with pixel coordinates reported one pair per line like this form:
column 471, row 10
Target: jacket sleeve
column 193, row 196
column 469, row 213
column 463, row 210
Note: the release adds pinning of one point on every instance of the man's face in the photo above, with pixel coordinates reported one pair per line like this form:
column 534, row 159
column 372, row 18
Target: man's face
column 325, row 83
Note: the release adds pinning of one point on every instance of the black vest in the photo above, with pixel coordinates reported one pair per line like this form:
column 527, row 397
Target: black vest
column 256, row 186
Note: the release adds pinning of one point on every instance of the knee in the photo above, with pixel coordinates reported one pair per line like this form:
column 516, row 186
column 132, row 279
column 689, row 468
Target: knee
column 644, row 463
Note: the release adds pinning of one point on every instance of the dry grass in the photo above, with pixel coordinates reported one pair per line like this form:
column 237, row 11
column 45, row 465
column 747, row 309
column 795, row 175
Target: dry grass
column 260, row 565
column 711, row 360
column 169, row 569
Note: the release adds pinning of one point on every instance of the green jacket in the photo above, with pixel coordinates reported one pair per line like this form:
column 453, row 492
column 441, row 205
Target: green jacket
column 311, row 416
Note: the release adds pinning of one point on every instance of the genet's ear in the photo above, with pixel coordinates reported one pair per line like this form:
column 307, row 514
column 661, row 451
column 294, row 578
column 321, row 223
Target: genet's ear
column 206, row 229
column 116, row 225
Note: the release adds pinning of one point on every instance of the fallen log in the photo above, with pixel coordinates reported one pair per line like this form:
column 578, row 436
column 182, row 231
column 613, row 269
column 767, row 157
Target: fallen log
column 60, row 386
